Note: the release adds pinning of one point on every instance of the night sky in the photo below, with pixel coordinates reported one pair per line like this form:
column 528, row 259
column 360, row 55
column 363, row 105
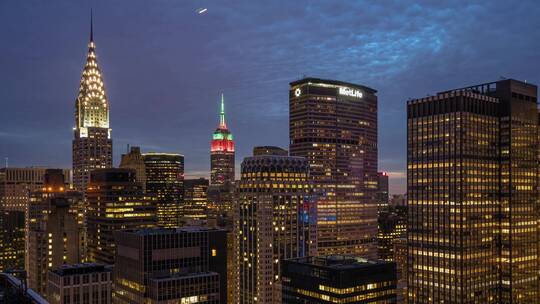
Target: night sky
column 165, row 66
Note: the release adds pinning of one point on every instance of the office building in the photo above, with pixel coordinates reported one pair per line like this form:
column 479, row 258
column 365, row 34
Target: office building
column 92, row 143
column 53, row 232
column 133, row 159
column 382, row 195
column 222, row 152
column 472, row 195
column 80, row 283
column 12, row 240
column 16, row 185
column 171, row 265
column 334, row 125
column 115, row 201
column 392, row 225
column 272, row 222
column 165, row 182
column 338, row 279
column 195, row 206
column 222, row 177
column 400, row 258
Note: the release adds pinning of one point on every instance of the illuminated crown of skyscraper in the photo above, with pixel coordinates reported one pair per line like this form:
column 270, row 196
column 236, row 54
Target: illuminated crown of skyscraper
column 92, row 106
column 222, row 139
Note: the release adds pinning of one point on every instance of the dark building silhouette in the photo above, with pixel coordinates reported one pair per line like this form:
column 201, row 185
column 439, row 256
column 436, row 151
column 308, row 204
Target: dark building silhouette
column 180, row 265
column 338, row 279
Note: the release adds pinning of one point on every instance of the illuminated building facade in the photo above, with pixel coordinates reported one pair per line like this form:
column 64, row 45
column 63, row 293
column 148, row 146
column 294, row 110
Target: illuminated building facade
column 134, row 160
column 272, row 222
column 173, row 265
column 472, row 195
column 222, row 152
column 53, row 231
column 92, row 144
column 116, row 201
column 338, row 279
column 392, row 222
column 221, row 166
column 80, row 283
column 165, row 182
column 334, row 125
column 16, row 185
column 195, row 200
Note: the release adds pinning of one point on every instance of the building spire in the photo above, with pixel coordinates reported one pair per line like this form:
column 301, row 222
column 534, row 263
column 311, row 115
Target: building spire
column 222, row 124
column 91, row 25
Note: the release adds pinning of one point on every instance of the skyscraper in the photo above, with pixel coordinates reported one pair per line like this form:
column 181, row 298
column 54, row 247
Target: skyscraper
column 115, row 202
column 174, row 265
column 382, row 191
column 472, row 195
column 195, row 200
column 92, row 144
column 53, row 230
column 272, row 222
column 333, row 124
column 12, row 240
column 134, row 160
column 221, row 166
column 165, row 182
column 222, row 152
column 16, row 185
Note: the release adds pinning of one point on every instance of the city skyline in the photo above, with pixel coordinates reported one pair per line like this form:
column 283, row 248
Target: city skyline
column 181, row 61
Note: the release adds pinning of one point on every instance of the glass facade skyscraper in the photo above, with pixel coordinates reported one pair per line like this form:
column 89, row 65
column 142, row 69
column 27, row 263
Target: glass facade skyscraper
column 165, row 182
column 472, row 195
column 333, row 124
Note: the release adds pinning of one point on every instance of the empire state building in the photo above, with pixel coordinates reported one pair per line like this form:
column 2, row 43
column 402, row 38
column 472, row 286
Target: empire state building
column 92, row 144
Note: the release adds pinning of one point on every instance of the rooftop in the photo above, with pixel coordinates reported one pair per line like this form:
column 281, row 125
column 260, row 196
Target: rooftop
column 332, row 82
column 339, row 262
column 155, row 231
column 82, row 268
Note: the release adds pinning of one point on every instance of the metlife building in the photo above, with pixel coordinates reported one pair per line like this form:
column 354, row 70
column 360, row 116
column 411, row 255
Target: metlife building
column 334, row 125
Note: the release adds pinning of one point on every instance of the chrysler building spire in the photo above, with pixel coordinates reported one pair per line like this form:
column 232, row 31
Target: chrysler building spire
column 92, row 144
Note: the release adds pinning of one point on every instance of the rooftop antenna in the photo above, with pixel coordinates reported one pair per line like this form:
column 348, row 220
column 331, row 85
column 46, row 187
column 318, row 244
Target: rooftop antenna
column 91, row 25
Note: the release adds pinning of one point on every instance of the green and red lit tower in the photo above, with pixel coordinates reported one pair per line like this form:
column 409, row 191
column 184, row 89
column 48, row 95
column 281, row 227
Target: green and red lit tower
column 222, row 152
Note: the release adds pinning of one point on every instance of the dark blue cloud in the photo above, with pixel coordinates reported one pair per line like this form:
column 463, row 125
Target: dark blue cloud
column 165, row 66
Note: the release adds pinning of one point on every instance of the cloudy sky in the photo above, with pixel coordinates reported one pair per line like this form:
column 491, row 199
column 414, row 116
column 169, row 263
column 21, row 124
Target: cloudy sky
column 165, row 66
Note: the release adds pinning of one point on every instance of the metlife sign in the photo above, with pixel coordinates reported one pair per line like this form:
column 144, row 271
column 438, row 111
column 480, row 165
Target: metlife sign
column 350, row 92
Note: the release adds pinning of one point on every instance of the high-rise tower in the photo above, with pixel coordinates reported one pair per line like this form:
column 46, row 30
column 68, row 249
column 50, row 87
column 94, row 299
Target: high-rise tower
column 222, row 152
column 272, row 221
column 472, row 176
column 334, row 125
column 92, row 144
column 221, row 167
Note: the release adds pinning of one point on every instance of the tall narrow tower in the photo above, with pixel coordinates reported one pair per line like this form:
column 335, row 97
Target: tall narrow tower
column 222, row 152
column 92, row 144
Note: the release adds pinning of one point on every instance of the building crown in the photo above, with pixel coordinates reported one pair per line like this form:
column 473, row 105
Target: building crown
column 92, row 105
